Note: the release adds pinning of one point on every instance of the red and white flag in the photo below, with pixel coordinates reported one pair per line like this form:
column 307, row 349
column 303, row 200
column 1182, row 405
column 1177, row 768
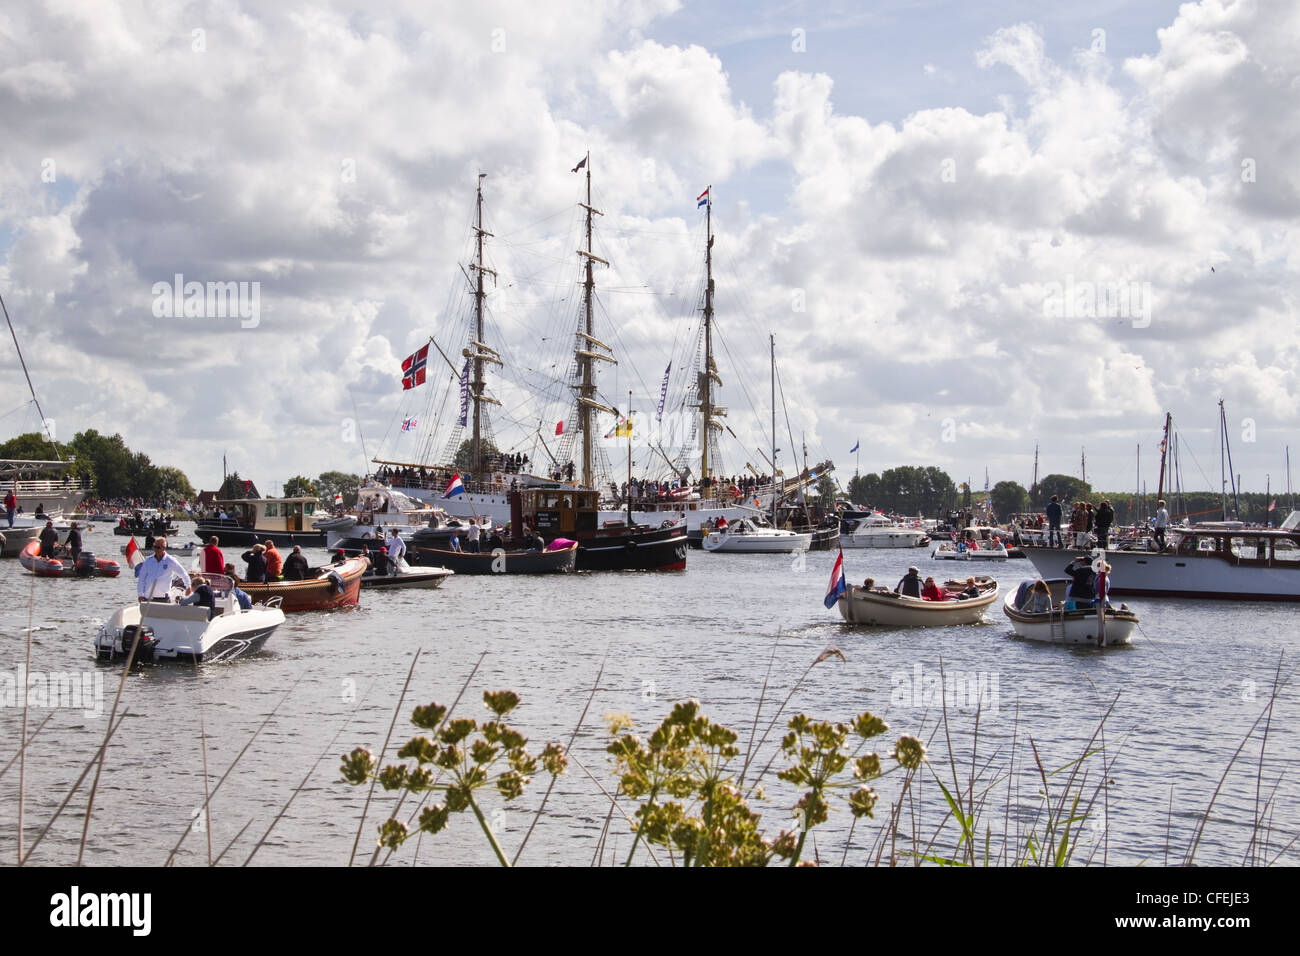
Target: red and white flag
column 1272, row 504
column 133, row 555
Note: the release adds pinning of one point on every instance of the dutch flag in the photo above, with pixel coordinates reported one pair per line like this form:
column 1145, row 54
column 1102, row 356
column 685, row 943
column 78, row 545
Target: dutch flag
column 837, row 585
column 454, row 487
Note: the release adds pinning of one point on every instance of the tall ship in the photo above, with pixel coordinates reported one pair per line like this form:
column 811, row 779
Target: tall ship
column 475, row 480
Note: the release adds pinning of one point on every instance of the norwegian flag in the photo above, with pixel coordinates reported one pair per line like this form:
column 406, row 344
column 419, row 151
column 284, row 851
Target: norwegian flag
column 414, row 367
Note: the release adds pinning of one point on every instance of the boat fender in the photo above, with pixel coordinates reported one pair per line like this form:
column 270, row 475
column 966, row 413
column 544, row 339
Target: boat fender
column 667, row 524
column 337, row 580
column 630, row 545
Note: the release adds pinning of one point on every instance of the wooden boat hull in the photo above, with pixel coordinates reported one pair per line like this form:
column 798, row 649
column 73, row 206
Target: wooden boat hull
column 637, row 549
column 64, row 567
column 887, row 609
column 500, row 562
column 319, row 593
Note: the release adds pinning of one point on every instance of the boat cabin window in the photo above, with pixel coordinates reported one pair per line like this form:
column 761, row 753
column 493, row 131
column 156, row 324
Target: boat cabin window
column 272, row 510
column 309, row 508
column 1284, row 549
column 1249, row 549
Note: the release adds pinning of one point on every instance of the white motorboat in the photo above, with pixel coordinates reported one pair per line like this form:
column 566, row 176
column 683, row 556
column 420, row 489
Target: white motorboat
column 877, row 531
column 969, row 551
column 379, row 509
column 1245, row 565
column 1112, row 628
column 406, row 577
column 859, row 605
column 188, row 632
column 748, row 535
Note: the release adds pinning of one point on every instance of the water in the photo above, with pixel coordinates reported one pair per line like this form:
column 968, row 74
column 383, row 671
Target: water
column 1185, row 696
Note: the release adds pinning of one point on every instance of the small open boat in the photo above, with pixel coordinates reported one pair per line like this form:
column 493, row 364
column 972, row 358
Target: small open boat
column 560, row 561
column 1059, row 626
column 859, row 605
column 331, row 586
column 985, row 551
column 62, row 565
column 188, row 549
column 188, row 632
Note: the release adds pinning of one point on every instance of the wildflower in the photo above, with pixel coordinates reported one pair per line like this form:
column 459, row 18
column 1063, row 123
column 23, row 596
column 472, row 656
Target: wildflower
column 909, row 752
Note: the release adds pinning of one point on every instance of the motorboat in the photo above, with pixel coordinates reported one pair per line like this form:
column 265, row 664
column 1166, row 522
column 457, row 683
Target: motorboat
column 969, row 551
column 255, row 520
column 877, row 531
column 14, row 540
column 748, row 535
column 328, row 587
column 406, row 576
column 379, row 509
column 880, row 606
column 170, row 631
column 1065, row 623
column 1245, row 565
column 62, row 565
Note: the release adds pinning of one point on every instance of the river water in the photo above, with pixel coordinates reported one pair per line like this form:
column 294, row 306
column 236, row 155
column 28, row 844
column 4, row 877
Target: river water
column 1182, row 699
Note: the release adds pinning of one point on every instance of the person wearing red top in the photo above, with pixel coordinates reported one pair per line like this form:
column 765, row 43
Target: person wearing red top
column 274, row 562
column 213, row 561
column 931, row 591
column 11, row 502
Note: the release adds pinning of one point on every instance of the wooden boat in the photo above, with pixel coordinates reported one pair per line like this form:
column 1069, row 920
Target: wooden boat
column 188, row 632
column 1059, row 626
column 62, row 566
column 186, row 550
column 331, row 586
column 882, row 607
column 560, row 561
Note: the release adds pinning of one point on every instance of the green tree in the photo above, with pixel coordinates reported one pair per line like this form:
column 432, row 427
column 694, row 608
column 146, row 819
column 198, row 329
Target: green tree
column 299, row 487
column 174, row 486
column 1066, row 487
column 32, row 446
column 332, row 483
column 112, row 463
column 1009, row 498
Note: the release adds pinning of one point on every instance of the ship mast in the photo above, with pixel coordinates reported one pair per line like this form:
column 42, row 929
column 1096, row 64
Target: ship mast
column 584, row 350
column 709, row 373
column 1164, row 454
column 481, row 352
column 772, row 339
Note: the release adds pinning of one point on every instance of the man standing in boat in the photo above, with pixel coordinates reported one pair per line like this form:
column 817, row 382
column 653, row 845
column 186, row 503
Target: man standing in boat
column 154, row 575
column 1054, row 523
column 1162, row 522
column 11, row 502
column 396, row 549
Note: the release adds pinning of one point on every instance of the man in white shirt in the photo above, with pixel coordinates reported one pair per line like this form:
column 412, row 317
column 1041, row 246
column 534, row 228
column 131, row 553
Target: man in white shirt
column 154, row 576
column 396, row 548
column 471, row 537
column 1162, row 522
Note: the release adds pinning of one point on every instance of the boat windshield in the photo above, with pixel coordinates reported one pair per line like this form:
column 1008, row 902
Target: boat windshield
column 219, row 583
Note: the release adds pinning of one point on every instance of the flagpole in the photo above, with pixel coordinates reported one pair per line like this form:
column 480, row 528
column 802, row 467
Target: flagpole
column 628, row 493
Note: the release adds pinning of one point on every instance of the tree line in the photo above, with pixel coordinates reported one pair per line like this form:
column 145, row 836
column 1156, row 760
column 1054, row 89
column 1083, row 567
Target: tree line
column 105, row 463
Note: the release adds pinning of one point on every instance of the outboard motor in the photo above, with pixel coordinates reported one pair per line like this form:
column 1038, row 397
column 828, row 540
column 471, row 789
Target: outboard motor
column 85, row 565
column 148, row 645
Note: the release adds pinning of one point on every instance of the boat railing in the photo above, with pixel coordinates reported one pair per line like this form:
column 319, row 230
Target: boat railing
column 37, row 487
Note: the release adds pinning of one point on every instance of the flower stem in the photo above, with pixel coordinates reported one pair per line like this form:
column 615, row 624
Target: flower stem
column 487, row 830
